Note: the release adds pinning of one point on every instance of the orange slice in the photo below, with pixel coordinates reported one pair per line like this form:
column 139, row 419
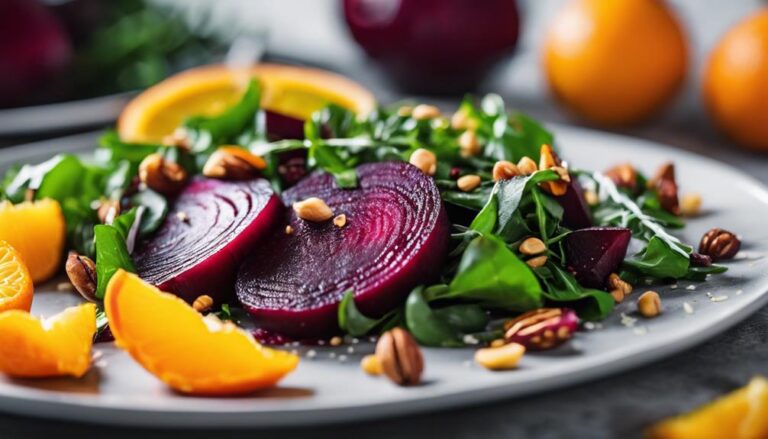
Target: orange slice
column 37, row 230
column 291, row 91
column 15, row 282
column 57, row 346
column 190, row 353
column 742, row 414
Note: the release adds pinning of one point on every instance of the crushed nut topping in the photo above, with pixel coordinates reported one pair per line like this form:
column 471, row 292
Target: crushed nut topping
column 504, row 170
column 313, row 209
column 527, row 166
column 162, row 175
column 468, row 183
column 425, row 160
column 340, row 220
column 203, row 303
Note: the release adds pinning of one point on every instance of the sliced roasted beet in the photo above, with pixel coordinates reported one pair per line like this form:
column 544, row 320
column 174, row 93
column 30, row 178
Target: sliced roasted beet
column 280, row 126
column 576, row 212
column 593, row 254
column 395, row 238
column 211, row 228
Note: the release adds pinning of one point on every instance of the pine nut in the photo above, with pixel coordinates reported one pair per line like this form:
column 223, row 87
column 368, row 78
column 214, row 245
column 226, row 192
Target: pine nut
column 313, row 209
column 527, row 166
column 500, row 358
column 532, row 246
column 468, row 144
column 468, row 183
column 425, row 112
column 504, row 170
column 424, row 160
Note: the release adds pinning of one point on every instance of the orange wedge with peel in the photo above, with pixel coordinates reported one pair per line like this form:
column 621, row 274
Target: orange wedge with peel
column 57, row 346
column 16, row 287
column 291, row 91
column 190, row 353
column 742, row 414
column 37, row 230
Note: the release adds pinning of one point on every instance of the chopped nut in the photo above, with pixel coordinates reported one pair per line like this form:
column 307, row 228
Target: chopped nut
column 500, row 358
column 425, row 112
column 618, row 295
column 371, row 365
column 549, row 160
column 405, row 110
column 527, row 166
column 649, row 304
column 537, row 262
column 547, row 157
column 336, row 341
column 543, row 328
column 498, row 343
column 81, row 271
column 108, row 210
column 425, row 160
column 182, row 216
column 313, row 209
column 504, row 170
column 468, row 183
column 340, row 220
column 288, row 230
column 666, row 188
column 532, row 246
column 203, row 303
column 460, row 120
column 591, row 198
column 233, row 163
column 468, row 144
column 179, row 138
column 400, row 356
column 719, row 244
column 615, row 282
column 162, row 175
column 623, row 175
column 690, row 205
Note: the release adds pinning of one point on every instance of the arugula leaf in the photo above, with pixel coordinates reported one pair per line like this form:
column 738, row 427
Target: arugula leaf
column 490, row 274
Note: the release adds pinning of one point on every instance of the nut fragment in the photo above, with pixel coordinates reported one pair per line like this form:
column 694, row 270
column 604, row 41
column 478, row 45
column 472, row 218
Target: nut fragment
column 400, row 356
column 468, row 183
column 549, row 160
column 340, row 220
column 460, row 120
column 289, row 230
column 623, row 175
column 591, row 198
column 425, row 112
column 504, row 170
column 108, row 210
column 468, row 144
column 527, row 166
column 405, row 110
column 690, row 204
column 532, row 246
column 543, row 328
column 425, row 160
column 81, row 271
column 161, row 175
column 500, row 358
column 498, row 342
column 537, row 262
column 313, row 209
column 666, row 188
column 203, row 303
column 617, row 283
column 336, row 341
column 233, row 163
column 371, row 365
column 719, row 244
column 618, row 295
column 649, row 304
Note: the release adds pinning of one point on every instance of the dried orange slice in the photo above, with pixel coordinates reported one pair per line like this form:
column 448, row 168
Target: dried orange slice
column 37, row 230
column 288, row 90
column 190, row 353
column 57, row 346
column 15, row 282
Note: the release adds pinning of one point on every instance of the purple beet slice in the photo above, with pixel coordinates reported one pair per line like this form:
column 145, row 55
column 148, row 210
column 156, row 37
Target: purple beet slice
column 280, row 126
column 395, row 238
column 576, row 212
column 211, row 228
column 593, row 254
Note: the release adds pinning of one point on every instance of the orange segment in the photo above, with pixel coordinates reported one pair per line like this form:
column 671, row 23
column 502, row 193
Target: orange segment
column 740, row 414
column 190, row 353
column 291, row 91
column 57, row 346
column 37, row 230
column 15, row 282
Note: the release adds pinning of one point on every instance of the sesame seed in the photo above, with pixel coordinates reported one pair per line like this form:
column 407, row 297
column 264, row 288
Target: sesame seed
column 311, row 354
column 718, row 298
column 690, row 287
column 470, row 339
column 342, row 358
column 350, row 350
column 589, row 326
column 739, row 292
column 688, row 308
column 627, row 320
column 641, row 330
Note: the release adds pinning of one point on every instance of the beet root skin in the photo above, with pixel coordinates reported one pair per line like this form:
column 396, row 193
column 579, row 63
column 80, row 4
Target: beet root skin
column 212, row 226
column 395, row 238
column 576, row 211
column 592, row 254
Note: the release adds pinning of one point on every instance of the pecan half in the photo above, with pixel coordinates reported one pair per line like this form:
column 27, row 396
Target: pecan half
column 162, row 175
column 719, row 244
column 400, row 357
column 233, row 163
column 543, row 328
column 624, row 176
column 666, row 188
column 81, row 271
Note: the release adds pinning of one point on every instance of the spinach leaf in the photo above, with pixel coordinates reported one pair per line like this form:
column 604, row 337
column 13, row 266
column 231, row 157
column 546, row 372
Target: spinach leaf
column 426, row 326
column 659, row 260
column 352, row 321
column 111, row 251
column 156, row 210
column 561, row 287
column 490, row 274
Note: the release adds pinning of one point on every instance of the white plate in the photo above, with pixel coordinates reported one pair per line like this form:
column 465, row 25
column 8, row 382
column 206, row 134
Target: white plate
column 326, row 389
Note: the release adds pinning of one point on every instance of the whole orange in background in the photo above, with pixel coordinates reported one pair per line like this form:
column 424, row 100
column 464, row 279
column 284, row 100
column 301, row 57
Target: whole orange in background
column 736, row 82
column 615, row 62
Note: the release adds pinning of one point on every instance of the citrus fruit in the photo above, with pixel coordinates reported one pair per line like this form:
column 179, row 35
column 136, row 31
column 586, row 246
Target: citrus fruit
column 15, row 282
column 742, row 414
column 615, row 62
column 37, row 231
column 291, row 91
column 56, row 346
column 190, row 353
column 736, row 82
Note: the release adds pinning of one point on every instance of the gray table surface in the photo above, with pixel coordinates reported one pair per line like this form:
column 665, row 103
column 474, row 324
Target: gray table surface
column 617, row 406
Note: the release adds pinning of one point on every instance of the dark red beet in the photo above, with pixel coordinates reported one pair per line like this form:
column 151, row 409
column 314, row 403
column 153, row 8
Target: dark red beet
column 396, row 237
column 593, row 254
column 211, row 228
column 576, row 212
column 284, row 127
